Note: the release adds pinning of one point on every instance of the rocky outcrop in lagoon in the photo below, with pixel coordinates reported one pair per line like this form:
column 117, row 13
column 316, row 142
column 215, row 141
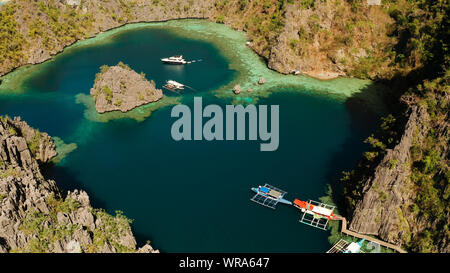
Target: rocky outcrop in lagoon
column 35, row 216
column 237, row 89
column 119, row 88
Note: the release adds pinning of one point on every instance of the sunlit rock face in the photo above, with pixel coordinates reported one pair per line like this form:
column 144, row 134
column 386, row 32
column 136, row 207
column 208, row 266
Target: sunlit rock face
column 373, row 2
column 72, row 2
column 119, row 88
column 34, row 215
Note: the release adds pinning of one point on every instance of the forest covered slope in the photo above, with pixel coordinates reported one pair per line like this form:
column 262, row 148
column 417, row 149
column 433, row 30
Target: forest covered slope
column 336, row 36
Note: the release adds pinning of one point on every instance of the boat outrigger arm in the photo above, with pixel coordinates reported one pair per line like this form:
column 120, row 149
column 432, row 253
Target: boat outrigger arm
column 269, row 196
column 315, row 214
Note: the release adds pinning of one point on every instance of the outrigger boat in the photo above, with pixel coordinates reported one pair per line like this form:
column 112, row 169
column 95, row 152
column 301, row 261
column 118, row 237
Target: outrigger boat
column 174, row 60
column 316, row 210
column 269, row 196
column 315, row 214
column 173, row 85
column 271, row 193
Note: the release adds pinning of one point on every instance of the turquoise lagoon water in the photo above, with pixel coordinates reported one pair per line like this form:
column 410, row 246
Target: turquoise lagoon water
column 190, row 196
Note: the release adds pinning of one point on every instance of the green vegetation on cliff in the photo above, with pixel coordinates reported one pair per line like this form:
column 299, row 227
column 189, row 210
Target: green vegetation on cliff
column 337, row 35
column 12, row 41
column 45, row 227
column 110, row 230
column 261, row 19
column 354, row 181
column 59, row 26
column 424, row 28
column 47, row 230
column 422, row 31
column 430, row 166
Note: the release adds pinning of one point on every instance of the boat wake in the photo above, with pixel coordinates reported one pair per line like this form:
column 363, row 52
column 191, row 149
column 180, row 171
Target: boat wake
column 193, row 89
column 178, row 60
column 194, row 61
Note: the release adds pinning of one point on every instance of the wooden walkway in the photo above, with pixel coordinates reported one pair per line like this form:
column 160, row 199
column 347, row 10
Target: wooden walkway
column 368, row 238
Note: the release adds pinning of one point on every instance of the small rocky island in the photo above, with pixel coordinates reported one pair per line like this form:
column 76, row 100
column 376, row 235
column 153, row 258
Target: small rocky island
column 119, row 88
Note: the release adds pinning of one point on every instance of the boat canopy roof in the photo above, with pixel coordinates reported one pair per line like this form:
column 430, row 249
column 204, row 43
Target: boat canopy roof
column 322, row 210
column 271, row 192
column 275, row 194
column 174, row 83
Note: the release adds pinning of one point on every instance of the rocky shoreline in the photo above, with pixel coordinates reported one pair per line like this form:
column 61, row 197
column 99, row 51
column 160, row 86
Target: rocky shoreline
column 35, row 216
column 38, row 53
column 146, row 11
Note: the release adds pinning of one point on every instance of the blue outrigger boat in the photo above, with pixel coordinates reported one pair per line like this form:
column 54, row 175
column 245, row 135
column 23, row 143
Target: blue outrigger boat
column 269, row 196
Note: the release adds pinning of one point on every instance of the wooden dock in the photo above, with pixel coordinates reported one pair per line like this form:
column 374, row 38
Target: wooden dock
column 368, row 238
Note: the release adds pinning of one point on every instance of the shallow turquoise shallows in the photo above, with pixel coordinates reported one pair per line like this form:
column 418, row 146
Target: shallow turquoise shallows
column 190, row 196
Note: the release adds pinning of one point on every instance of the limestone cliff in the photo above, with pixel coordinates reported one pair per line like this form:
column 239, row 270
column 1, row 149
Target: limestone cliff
column 34, row 214
column 119, row 88
column 40, row 29
column 40, row 144
column 319, row 38
column 385, row 208
column 396, row 204
column 331, row 38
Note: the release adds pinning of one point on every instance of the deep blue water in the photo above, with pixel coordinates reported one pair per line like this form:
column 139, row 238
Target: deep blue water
column 191, row 196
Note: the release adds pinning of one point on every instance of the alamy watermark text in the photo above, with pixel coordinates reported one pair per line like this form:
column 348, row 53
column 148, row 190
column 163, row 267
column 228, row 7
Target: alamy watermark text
column 235, row 118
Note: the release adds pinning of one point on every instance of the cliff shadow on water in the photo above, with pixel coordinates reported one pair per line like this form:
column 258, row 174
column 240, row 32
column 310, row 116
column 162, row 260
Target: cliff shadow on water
column 67, row 181
column 365, row 110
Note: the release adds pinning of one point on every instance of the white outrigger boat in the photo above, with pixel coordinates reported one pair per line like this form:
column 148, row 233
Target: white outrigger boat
column 174, row 60
column 173, row 85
